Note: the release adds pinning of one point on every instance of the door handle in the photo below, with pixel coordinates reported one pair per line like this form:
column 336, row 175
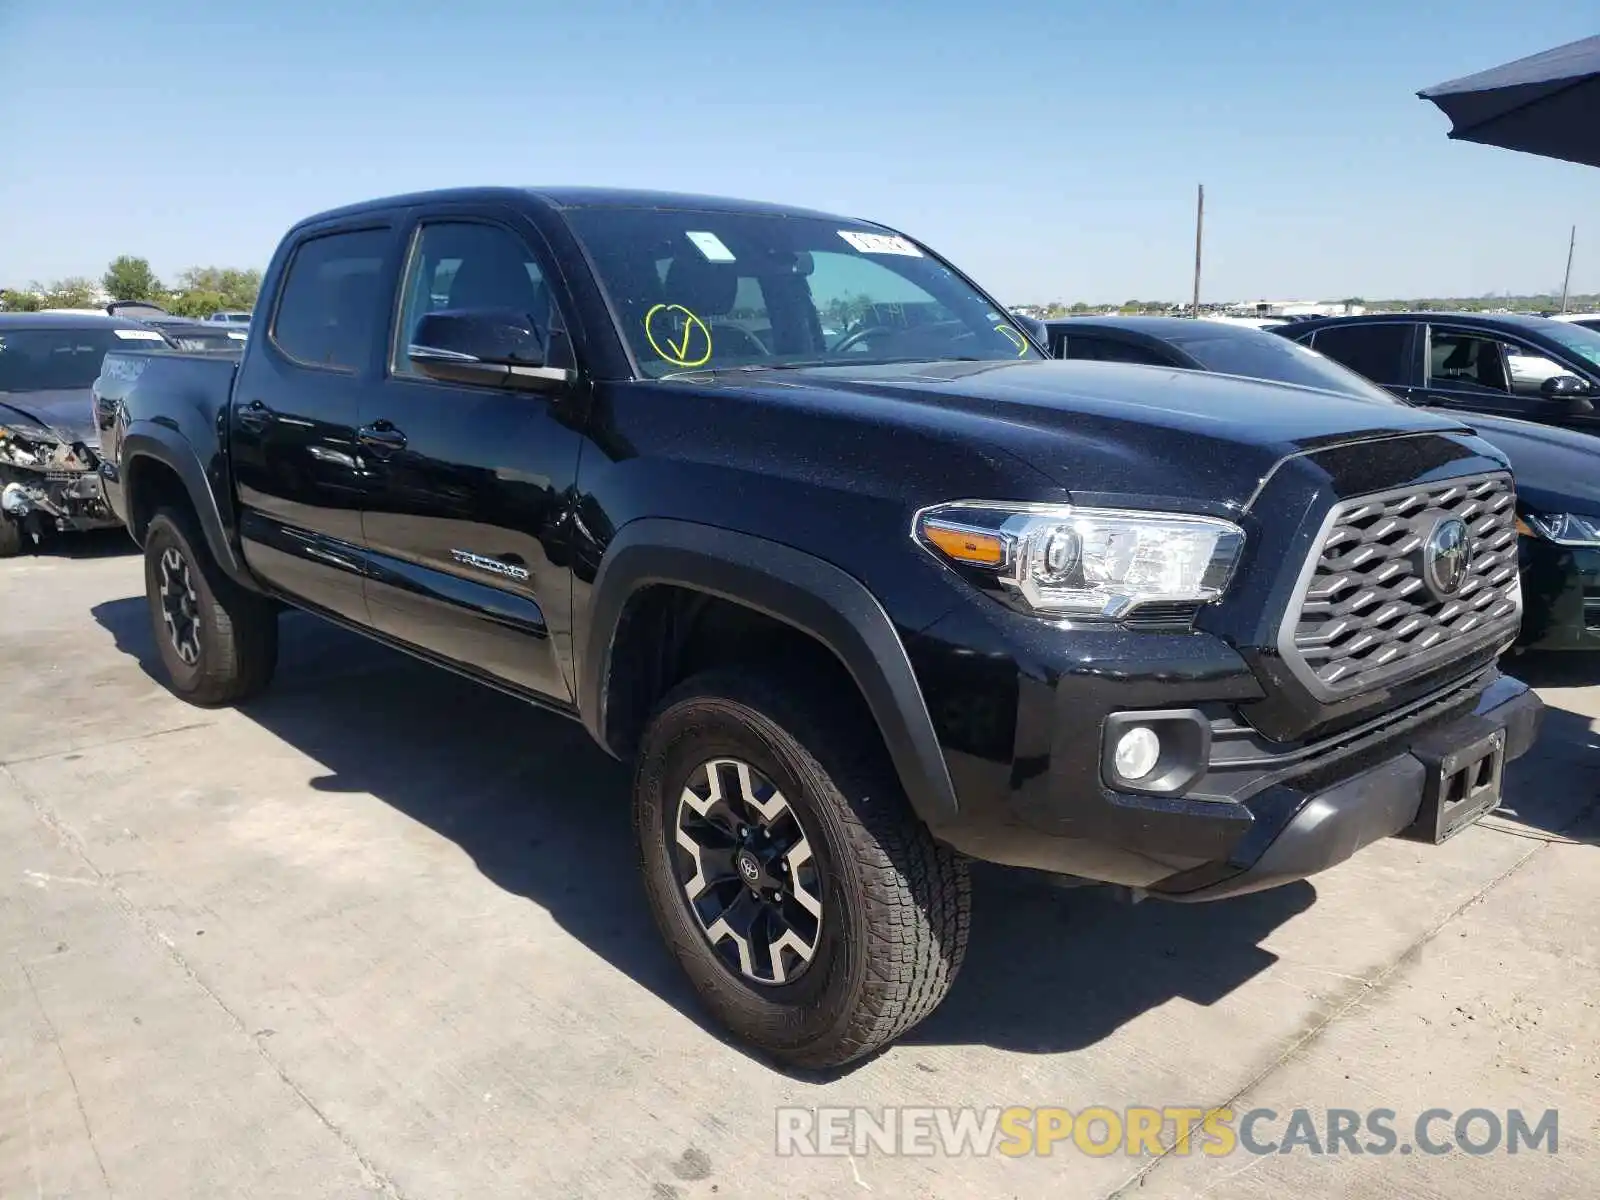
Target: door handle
column 381, row 437
column 256, row 416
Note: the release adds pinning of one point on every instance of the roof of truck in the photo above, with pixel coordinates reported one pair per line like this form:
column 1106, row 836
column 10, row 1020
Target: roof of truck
column 579, row 197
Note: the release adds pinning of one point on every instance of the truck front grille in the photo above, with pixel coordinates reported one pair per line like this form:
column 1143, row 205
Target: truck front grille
column 1367, row 612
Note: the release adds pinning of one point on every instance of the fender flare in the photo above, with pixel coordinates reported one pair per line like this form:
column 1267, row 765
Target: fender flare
column 170, row 449
column 788, row 585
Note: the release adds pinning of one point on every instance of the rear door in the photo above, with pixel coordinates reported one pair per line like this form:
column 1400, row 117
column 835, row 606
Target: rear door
column 297, row 464
column 464, row 521
column 1383, row 351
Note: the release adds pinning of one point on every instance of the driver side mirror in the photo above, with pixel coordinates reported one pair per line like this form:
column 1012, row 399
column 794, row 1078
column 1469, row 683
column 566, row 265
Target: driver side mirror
column 1572, row 390
column 1039, row 330
column 493, row 347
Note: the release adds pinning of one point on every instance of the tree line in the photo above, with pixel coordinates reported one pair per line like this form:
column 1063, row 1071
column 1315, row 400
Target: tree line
column 1547, row 302
column 198, row 292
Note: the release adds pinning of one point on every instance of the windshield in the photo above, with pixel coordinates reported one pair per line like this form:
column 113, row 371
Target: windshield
column 1585, row 343
column 1270, row 356
column 40, row 360
column 711, row 291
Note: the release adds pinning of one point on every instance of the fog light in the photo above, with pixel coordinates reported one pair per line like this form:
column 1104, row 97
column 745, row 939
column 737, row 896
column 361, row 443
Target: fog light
column 1137, row 753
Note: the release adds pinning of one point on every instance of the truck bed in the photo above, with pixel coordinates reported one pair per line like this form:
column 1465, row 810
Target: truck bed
column 183, row 394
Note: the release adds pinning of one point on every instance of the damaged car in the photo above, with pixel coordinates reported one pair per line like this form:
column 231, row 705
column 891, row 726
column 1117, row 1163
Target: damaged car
column 49, row 448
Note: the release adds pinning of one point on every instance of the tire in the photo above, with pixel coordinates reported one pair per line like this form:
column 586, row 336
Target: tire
column 892, row 905
column 221, row 644
column 11, row 537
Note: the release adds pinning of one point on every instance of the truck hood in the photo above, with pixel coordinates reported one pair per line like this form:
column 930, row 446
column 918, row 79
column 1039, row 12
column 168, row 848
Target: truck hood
column 1557, row 470
column 64, row 413
column 1153, row 432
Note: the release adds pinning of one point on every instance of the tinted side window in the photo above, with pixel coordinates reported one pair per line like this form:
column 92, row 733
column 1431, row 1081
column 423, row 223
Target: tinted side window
column 1464, row 362
column 330, row 305
column 463, row 265
column 1376, row 351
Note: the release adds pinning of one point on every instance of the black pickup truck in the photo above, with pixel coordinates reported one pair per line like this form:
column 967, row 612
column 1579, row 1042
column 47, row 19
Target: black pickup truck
column 785, row 509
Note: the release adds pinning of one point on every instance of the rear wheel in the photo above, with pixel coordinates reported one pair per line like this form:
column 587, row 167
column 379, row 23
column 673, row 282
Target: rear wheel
column 813, row 913
column 218, row 642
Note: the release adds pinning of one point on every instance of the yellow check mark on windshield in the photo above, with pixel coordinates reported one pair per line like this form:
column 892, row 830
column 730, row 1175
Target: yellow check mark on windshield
column 676, row 350
column 681, row 349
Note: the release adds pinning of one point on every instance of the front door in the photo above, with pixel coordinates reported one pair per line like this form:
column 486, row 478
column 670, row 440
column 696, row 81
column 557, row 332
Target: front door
column 464, row 523
column 1484, row 372
column 1470, row 370
column 296, row 463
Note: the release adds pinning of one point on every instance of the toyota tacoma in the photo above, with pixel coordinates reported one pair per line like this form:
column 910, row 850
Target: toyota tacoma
column 791, row 514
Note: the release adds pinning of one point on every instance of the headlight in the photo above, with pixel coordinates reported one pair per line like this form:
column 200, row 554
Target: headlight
column 1088, row 563
column 21, row 449
column 1564, row 529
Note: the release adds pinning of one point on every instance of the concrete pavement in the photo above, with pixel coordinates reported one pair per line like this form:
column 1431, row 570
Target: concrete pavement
column 380, row 932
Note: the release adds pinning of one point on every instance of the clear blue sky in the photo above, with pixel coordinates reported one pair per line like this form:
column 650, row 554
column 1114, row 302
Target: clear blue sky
column 1050, row 147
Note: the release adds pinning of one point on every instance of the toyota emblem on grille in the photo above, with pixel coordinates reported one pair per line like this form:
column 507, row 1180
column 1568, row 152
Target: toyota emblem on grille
column 1444, row 558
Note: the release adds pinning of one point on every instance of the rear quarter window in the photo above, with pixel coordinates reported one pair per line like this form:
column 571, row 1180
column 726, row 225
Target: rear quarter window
column 1376, row 351
column 1104, row 349
column 331, row 303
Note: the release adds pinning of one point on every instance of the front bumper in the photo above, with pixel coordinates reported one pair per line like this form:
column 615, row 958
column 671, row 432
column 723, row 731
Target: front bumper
column 1561, row 595
column 65, row 501
column 1023, row 736
column 1326, row 827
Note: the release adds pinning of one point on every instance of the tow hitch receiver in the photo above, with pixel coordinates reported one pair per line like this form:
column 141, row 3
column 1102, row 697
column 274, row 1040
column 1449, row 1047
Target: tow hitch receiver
column 1463, row 782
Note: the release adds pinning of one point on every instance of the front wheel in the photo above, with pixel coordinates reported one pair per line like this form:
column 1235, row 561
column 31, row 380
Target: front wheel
column 218, row 642
column 813, row 913
column 12, row 539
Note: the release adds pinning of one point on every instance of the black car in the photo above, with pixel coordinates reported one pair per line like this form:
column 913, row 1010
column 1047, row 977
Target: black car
column 1223, row 346
column 783, row 507
column 185, row 333
column 1530, row 368
column 1557, row 469
column 49, row 464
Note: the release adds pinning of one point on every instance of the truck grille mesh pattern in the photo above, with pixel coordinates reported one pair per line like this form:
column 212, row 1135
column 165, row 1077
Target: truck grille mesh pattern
column 1367, row 613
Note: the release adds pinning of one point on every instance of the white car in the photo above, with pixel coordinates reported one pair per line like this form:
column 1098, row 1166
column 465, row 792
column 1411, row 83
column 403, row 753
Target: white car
column 1589, row 320
column 1529, row 370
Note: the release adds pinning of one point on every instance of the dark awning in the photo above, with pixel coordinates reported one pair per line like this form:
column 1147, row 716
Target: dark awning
column 1546, row 104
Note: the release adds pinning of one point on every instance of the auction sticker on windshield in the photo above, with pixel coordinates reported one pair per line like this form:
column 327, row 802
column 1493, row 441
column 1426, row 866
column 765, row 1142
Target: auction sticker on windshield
column 709, row 245
column 138, row 335
column 880, row 243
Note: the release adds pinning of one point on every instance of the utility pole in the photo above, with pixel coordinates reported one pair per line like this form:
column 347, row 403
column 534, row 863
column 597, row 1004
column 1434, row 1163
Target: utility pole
column 1199, row 230
column 1566, row 281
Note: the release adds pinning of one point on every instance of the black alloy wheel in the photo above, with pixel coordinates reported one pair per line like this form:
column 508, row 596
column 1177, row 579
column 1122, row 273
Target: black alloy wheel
column 180, row 607
column 747, row 872
column 814, row 914
column 217, row 641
